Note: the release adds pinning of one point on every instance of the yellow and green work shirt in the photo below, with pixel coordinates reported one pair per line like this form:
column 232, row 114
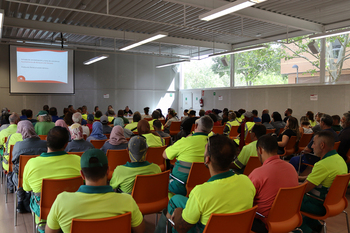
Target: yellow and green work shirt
column 223, row 193
column 124, row 176
column 324, row 172
column 110, row 119
column 246, row 152
column 248, row 126
column 151, row 124
column 6, row 132
column 84, row 116
column 229, row 125
column 11, row 140
column 132, row 126
column 153, row 140
column 91, row 202
column 313, row 123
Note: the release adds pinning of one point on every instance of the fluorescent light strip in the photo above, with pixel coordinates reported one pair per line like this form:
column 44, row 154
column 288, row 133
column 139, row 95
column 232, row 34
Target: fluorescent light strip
column 1, row 21
column 171, row 63
column 155, row 36
column 95, row 59
column 228, row 8
column 239, row 51
column 329, row 34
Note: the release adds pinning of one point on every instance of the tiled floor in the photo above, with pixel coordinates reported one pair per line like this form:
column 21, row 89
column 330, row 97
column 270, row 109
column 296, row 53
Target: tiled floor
column 334, row 225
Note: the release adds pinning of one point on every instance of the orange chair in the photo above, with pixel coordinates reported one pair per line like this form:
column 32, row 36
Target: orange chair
column 233, row 132
column 151, row 192
column 218, row 129
column 128, row 139
column 248, row 139
column 98, row 143
column 107, row 135
column 43, row 137
column 7, row 172
column 290, row 147
column 116, row 158
column 336, row 145
column 270, row 131
column 253, row 163
column 304, row 141
column 199, row 174
column 284, row 215
column 155, row 155
column 192, row 128
column 174, row 128
column 85, row 136
column 241, row 222
column 162, row 121
column 76, row 153
column 167, row 141
column 335, row 202
column 116, row 224
column 23, row 159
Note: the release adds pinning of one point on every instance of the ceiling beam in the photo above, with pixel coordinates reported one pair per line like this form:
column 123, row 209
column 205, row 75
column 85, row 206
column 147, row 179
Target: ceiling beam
column 106, row 33
column 256, row 14
column 339, row 25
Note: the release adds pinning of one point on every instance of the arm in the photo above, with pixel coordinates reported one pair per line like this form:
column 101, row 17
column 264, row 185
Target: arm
column 284, row 141
column 181, row 225
column 310, row 186
column 139, row 229
column 49, row 230
column 164, row 155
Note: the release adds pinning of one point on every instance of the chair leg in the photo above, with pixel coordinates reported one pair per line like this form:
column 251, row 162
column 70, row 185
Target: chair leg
column 6, row 190
column 324, row 227
column 298, row 229
column 347, row 220
column 15, row 208
column 156, row 219
column 299, row 165
column 34, row 225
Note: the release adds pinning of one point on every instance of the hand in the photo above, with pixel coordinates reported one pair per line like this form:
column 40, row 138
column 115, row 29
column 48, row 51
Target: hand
column 176, row 213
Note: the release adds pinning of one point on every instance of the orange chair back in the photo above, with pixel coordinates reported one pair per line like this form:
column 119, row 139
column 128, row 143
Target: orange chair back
column 248, row 139
column 98, row 143
column 175, row 127
column 162, row 121
column 290, row 147
column 116, row 158
column 151, row 192
column 167, row 140
column 23, row 159
column 253, row 163
column 155, row 155
column 284, row 215
column 199, row 174
column 173, row 161
column 116, row 224
column 50, row 188
column 107, row 135
column 128, row 139
column 192, row 128
column 270, row 131
column 5, row 139
column 218, row 129
column 43, row 137
column 304, row 141
column 10, row 158
column 336, row 145
column 241, row 221
column 233, row 132
column 80, row 153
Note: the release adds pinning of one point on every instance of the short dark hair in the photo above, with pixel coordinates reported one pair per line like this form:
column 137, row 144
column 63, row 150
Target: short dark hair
column 186, row 111
column 70, row 106
column 95, row 173
column 98, row 114
column 336, row 118
column 310, row 115
column 65, row 110
column 255, row 112
column 146, row 110
column 268, row 143
column 95, row 108
column 327, row 136
column 213, row 117
column 46, row 108
column 23, row 112
column 238, row 114
column 111, row 112
column 155, row 114
column 192, row 113
column 53, row 111
column 221, row 151
column 289, row 110
column 29, row 113
column 327, row 119
column 259, row 130
column 136, row 117
column 201, row 112
column 157, row 124
column 57, row 138
column 276, row 116
column 120, row 113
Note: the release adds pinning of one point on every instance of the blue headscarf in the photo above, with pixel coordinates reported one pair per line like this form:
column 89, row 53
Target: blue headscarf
column 118, row 121
column 97, row 131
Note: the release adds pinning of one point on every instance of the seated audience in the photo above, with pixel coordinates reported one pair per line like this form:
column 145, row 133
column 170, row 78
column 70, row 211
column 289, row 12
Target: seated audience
column 77, row 119
column 156, row 115
column 97, row 132
column 121, row 115
column 317, row 127
column 135, row 120
column 106, row 113
column 232, row 121
column 305, row 125
column 4, row 118
column 68, row 118
column 77, row 144
column 65, row 111
column 146, row 113
column 46, row 108
column 127, row 132
column 161, row 116
column 171, row 118
column 215, row 119
column 116, row 141
column 111, row 115
column 185, row 115
column 53, row 114
column 310, row 115
column 336, row 123
column 152, row 138
column 93, row 200
column 255, row 115
column 344, row 136
column 63, row 124
column 11, row 129
column 157, row 125
column 201, row 112
column 123, row 177
column 277, row 122
column 291, row 129
column 106, row 129
column 29, row 114
column 269, row 178
column 216, row 112
column 23, row 116
column 287, row 114
column 224, row 118
column 55, row 164
column 127, row 111
column 84, row 112
column 246, row 125
column 90, row 121
column 98, row 115
column 187, row 124
column 265, row 120
column 43, row 126
column 95, row 110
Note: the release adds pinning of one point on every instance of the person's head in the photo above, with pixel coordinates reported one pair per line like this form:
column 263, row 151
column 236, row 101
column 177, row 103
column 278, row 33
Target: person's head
column 76, row 131
column 120, row 113
column 186, row 112
column 143, row 127
column 61, row 123
column 266, row 147
column 29, row 113
column 84, row 109
column 136, row 117
column 127, row 108
column 255, row 113
column 192, row 113
column 225, row 115
column 96, row 109
column 249, row 116
column 118, row 121
column 79, row 110
column 160, row 112
column 68, row 118
column 292, row 123
column 219, row 152
column 70, row 108
column 238, row 114
column 276, row 116
column 155, row 114
column 90, row 118
column 76, row 117
column 137, row 149
column 257, row 131
column 104, row 120
column 345, row 120
column 46, row 108
column 53, row 111
column 26, row 129
column 241, row 111
column 213, row 117
column 204, row 124
column 310, row 115
column 14, row 118
column 288, row 112
column 323, row 143
column 336, row 119
column 265, row 118
column 111, row 112
column 232, row 116
column 146, row 110
column 98, row 114
column 201, row 112
column 23, row 112
column 265, row 111
column 109, row 107
column 65, row 111
column 43, row 116
column 157, row 125
column 326, row 121
column 304, row 121
column 94, row 165
column 225, row 110
column 318, row 116
column 57, row 138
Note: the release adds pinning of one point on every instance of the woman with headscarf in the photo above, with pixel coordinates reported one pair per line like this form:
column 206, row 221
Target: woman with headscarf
column 97, row 132
column 152, row 138
column 78, row 144
column 116, row 141
column 119, row 121
column 63, row 124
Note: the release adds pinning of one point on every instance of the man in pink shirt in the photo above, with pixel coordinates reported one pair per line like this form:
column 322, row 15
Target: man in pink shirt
column 269, row 178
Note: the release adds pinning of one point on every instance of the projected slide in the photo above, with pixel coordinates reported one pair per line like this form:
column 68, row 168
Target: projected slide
column 42, row 65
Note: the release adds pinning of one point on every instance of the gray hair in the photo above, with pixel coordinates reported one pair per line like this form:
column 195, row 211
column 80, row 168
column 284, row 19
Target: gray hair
column 347, row 117
column 205, row 124
column 76, row 117
column 46, row 118
column 14, row 118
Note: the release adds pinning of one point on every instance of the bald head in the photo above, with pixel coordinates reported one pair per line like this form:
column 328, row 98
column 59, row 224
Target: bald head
column 14, row 118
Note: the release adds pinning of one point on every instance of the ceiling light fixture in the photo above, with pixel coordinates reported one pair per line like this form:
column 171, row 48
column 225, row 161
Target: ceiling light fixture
column 153, row 37
column 228, row 8
column 95, row 59
column 239, row 50
column 329, row 34
column 171, row 63
column 1, row 21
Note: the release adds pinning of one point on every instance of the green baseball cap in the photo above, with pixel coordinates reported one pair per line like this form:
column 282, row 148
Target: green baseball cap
column 42, row 113
column 93, row 153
